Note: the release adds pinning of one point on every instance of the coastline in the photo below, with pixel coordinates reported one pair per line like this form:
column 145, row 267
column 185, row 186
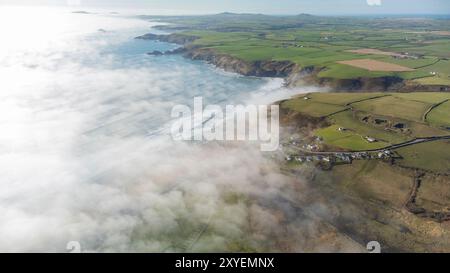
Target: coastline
column 293, row 74
column 396, row 213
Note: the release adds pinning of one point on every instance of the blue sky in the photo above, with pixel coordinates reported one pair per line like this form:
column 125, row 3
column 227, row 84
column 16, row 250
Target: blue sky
column 266, row 6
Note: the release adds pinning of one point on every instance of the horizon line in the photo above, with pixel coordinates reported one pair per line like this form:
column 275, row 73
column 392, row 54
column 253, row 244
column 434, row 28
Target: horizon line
column 178, row 12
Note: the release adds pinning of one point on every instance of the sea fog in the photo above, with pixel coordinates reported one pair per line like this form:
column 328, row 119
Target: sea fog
column 86, row 154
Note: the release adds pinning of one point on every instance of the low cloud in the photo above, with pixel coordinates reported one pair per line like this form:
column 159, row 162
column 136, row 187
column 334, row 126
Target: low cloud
column 85, row 156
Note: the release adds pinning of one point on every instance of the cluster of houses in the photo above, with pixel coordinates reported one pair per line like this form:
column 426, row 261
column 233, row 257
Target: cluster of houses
column 286, row 45
column 312, row 158
column 406, row 55
column 311, row 147
column 370, row 139
column 308, row 147
column 385, row 154
column 343, row 157
column 311, row 153
column 367, row 138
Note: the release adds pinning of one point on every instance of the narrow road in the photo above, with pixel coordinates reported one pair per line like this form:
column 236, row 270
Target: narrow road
column 392, row 147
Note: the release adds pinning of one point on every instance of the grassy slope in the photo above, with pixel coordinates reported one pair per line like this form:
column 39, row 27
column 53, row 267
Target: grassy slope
column 349, row 121
column 440, row 116
column 347, row 139
column 406, row 108
column 434, row 156
column 381, row 190
column 313, row 108
column 394, row 107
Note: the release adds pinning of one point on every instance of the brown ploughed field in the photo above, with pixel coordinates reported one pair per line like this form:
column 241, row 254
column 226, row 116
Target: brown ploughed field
column 373, row 65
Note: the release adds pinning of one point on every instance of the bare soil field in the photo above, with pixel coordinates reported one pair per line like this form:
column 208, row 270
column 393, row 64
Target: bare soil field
column 443, row 33
column 373, row 65
column 373, row 51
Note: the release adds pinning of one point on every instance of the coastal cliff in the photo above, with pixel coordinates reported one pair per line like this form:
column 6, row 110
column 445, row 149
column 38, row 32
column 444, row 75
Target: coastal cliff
column 294, row 74
column 233, row 64
column 170, row 38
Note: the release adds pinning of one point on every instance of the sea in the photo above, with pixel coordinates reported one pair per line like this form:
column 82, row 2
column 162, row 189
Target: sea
column 86, row 155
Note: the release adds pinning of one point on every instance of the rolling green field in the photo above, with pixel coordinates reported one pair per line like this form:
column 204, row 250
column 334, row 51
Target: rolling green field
column 376, row 115
column 347, row 139
column 433, row 156
column 417, row 43
column 439, row 115
column 314, row 108
column 394, row 107
column 389, row 118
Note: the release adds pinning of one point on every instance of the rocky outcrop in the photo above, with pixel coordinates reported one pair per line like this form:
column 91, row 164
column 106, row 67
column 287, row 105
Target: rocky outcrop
column 179, row 50
column 370, row 84
column 174, row 38
column 155, row 53
column 226, row 62
column 309, row 76
column 233, row 64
